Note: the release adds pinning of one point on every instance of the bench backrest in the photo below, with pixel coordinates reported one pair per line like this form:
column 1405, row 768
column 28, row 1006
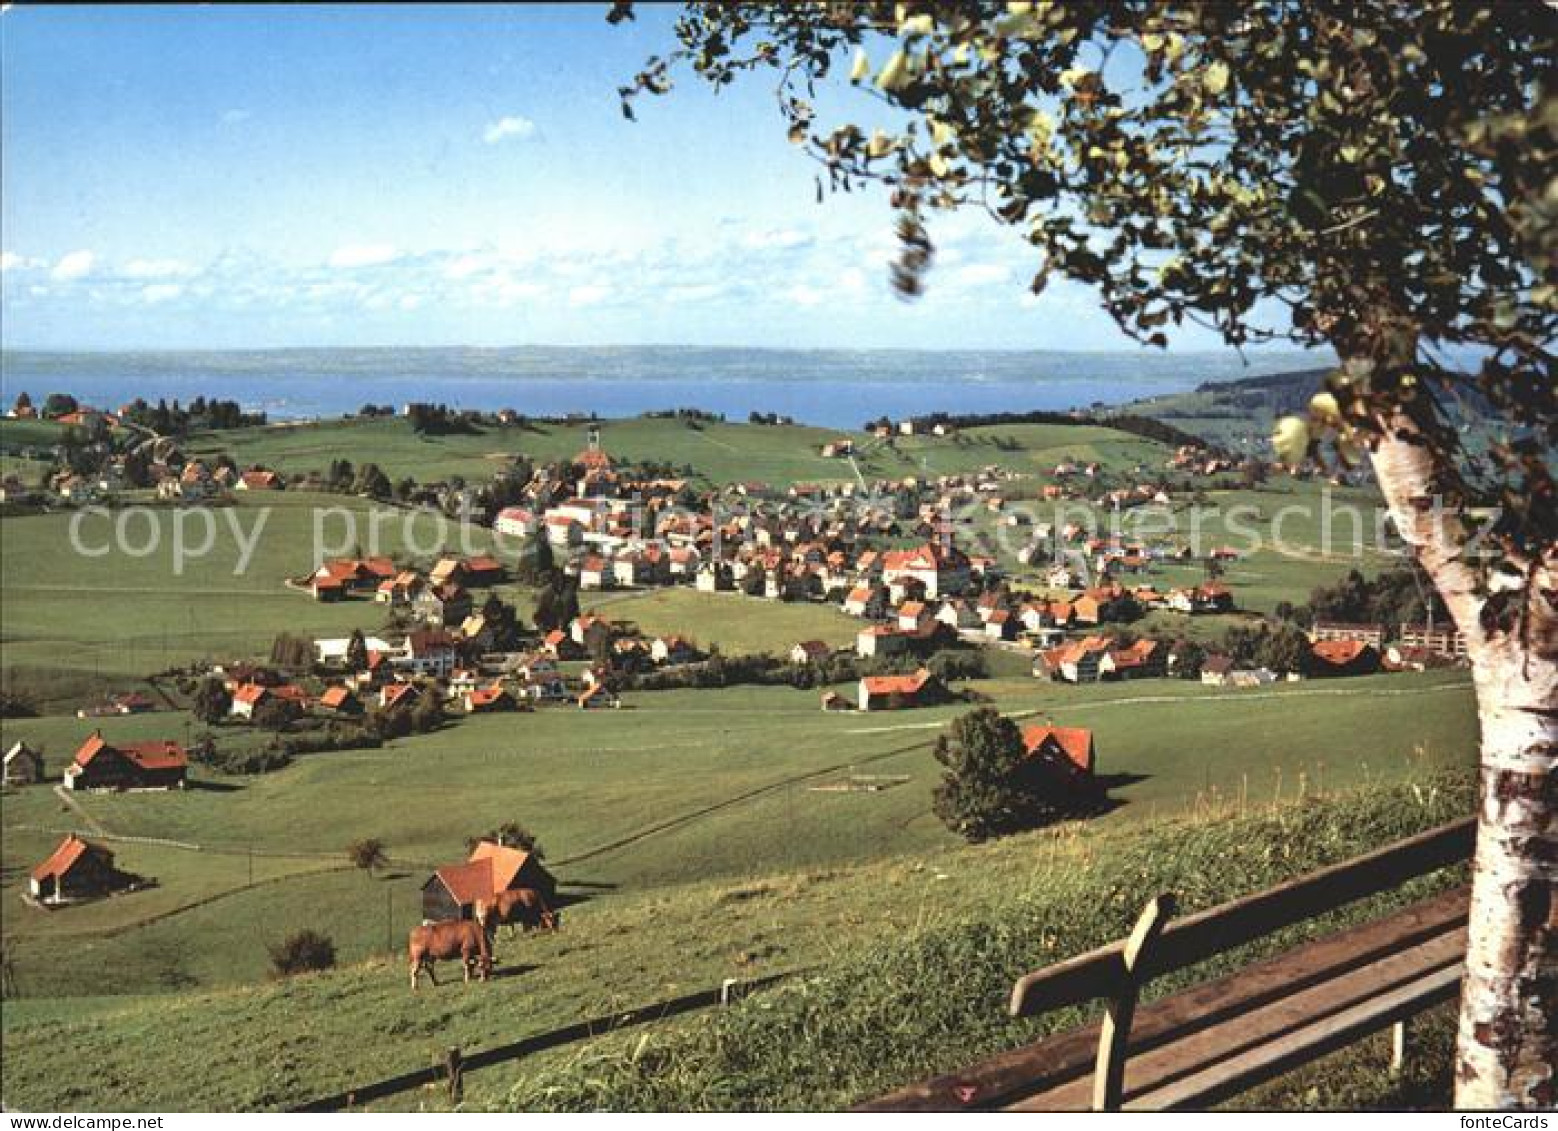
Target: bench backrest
column 1195, row 938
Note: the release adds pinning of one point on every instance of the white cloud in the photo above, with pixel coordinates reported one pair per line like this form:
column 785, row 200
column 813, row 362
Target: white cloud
column 161, row 292
column 588, row 294
column 156, row 269
column 410, row 302
column 363, row 255
column 981, row 274
column 10, row 261
column 464, row 266
column 695, row 292
column 511, row 126
column 76, row 265
column 802, row 295
column 782, row 239
column 235, row 116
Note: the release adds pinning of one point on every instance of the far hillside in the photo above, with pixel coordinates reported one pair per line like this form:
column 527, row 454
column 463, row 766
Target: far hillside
column 712, row 451
column 1237, row 415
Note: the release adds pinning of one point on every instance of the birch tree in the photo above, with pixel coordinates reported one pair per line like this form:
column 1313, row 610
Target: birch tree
column 1380, row 173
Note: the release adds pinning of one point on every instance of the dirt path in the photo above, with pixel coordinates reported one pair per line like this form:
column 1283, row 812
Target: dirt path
column 91, row 822
column 741, row 798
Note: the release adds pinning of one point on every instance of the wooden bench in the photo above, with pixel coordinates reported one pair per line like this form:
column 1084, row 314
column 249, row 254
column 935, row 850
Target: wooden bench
column 1214, row 1040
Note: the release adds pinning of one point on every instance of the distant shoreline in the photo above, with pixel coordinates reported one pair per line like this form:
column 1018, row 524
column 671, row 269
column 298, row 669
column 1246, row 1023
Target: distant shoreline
column 827, row 388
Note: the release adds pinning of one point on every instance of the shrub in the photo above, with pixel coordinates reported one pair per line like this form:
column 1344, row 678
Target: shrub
column 301, row 952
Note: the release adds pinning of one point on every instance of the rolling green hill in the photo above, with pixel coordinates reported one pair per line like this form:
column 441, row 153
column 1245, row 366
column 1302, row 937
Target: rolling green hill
column 911, row 957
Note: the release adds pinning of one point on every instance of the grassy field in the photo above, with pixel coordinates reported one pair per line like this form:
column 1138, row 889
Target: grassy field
column 677, row 788
column 913, row 954
column 718, row 453
column 74, row 624
column 740, row 625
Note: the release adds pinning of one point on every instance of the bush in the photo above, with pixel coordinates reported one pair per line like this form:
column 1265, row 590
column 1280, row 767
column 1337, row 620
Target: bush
column 300, row 953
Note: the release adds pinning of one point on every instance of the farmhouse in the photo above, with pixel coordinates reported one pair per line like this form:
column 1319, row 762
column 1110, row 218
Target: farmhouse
column 1066, row 751
column 882, row 640
column 940, row 571
column 248, row 699
column 866, row 601
column 393, row 695
column 896, row 692
column 442, row 605
column 258, row 479
column 486, row 700
column 1343, row 657
column 427, row 652
column 453, row 891
column 1217, row 671
column 399, row 590
column 674, row 650
column 76, row 870
column 23, row 766
column 516, row 522
column 134, row 765
column 1144, row 659
column 340, row 701
column 809, row 652
column 1080, row 661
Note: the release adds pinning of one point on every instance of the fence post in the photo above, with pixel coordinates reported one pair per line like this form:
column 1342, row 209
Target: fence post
column 1115, row 1034
column 1398, row 1047
column 728, row 985
column 453, row 1065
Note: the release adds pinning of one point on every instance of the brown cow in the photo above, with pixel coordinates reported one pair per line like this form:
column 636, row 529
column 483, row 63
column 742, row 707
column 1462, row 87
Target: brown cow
column 525, row 907
column 469, row 940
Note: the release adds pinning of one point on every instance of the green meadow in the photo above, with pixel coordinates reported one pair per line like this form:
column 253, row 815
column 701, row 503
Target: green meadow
column 698, row 834
column 718, row 453
column 75, row 623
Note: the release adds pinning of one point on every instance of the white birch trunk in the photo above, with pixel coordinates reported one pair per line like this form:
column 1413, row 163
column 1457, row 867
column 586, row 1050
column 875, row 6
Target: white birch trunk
column 1507, row 1047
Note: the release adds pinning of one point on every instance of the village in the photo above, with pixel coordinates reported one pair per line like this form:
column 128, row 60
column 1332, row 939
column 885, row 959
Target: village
column 885, row 553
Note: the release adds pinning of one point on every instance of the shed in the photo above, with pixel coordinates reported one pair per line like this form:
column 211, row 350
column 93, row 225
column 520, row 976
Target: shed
column 23, row 765
column 77, row 869
column 453, row 891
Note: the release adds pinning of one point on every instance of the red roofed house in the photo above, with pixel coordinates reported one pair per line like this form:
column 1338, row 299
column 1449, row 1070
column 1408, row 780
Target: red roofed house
column 393, row 695
column 247, row 699
column 258, row 479
column 1069, row 749
column 1144, row 659
column 453, row 891
column 77, row 869
column 340, row 701
column 942, row 571
column 1342, row 657
column 896, row 692
column 487, row 699
column 132, row 765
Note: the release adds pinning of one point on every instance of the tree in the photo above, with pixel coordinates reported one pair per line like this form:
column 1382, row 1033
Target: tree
column 510, row 834
column 987, row 790
column 1380, row 173
column 275, row 714
column 357, row 651
column 212, row 701
column 58, row 404
column 535, row 566
column 368, row 854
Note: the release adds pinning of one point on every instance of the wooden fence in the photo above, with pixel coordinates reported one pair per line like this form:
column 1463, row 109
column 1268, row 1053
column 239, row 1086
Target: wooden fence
column 457, row 1063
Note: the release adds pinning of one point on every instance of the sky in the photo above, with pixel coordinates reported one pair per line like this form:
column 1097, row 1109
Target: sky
column 228, row 177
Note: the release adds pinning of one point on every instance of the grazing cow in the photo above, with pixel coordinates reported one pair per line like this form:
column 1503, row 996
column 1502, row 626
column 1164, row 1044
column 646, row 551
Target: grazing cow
column 469, row 940
column 524, row 907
